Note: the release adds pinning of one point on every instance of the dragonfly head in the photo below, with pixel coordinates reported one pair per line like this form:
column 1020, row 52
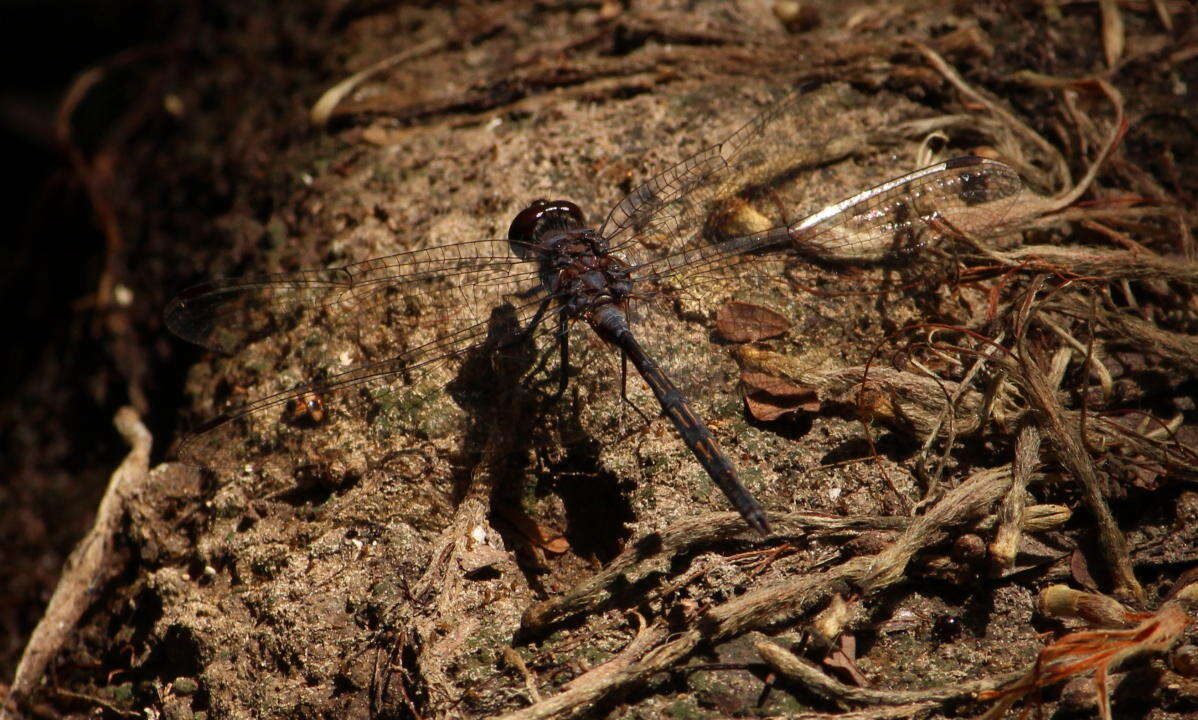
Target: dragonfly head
column 540, row 220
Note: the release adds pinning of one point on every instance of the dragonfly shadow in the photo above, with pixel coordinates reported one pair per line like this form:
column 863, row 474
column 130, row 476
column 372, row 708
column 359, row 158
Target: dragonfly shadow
column 509, row 388
column 598, row 515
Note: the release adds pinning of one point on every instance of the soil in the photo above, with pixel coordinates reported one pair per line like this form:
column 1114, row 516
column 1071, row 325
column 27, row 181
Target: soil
column 477, row 546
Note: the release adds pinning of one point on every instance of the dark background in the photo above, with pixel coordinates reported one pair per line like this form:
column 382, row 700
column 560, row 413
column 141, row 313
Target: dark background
column 60, row 383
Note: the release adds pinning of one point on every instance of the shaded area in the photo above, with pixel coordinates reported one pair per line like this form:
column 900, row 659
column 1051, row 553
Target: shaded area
column 62, row 377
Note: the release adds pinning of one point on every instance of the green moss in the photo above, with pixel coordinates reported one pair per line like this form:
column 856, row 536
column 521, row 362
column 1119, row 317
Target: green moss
column 122, row 692
column 684, row 709
column 594, row 655
column 783, row 703
column 655, row 461
column 751, row 475
column 186, row 685
column 413, row 410
column 728, row 405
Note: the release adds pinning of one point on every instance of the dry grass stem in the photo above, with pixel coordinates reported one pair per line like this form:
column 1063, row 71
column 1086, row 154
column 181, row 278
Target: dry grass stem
column 775, row 603
column 1107, row 264
column 973, row 495
column 323, row 108
column 654, row 553
column 1071, row 452
column 1112, row 31
column 1011, row 515
column 809, row 676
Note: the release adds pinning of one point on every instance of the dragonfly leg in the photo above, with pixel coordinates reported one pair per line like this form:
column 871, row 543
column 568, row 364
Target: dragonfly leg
column 534, row 322
column 563, row 344
column 780, row 206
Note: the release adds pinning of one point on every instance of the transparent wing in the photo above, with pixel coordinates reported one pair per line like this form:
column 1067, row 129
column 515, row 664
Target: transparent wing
column 358, row 341
column 967, row 195
column 226, row 314
column 747, row 255
column 398, row 389
column 668, row 212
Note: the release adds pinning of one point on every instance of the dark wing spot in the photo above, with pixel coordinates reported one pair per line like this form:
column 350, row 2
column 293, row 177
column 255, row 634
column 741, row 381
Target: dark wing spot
column 975, row 188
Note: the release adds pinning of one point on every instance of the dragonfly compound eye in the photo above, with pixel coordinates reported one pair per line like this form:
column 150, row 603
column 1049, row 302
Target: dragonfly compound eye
column 542, row 216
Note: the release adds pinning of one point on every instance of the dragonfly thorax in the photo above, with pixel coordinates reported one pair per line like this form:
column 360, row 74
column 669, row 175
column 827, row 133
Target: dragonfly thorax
column 591, row 281
column 575, row 261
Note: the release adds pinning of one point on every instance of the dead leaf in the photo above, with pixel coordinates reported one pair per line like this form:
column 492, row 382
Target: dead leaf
column 769, row 398
column 806, row 368
column 843, row 659
column 873, row 404
column 737, row 321
column 382, row 136
column 735, row 217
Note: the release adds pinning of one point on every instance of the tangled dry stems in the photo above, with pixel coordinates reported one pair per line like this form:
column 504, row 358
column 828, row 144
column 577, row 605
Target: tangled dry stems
column 1010, row 368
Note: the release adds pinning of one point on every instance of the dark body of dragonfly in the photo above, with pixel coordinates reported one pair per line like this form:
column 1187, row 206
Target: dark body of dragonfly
column 694, row 220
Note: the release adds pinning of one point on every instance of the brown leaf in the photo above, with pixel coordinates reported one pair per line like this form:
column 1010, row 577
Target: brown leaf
column 843, row 659
column 737, row 321
column 769, row 398
column 873, row 404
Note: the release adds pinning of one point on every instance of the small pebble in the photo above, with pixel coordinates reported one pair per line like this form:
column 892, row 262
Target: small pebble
column 186, row 685
column 796, row 17
column 1185, row 661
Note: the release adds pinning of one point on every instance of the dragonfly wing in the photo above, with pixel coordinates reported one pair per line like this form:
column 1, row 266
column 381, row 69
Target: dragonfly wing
column 225, row 315
column 967, row 195
column 669, row 211
column 355, row 338
column 379, row 395
column 677, row 294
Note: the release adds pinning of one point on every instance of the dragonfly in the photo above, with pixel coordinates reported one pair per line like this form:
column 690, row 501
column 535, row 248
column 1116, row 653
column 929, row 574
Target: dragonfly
column 720, row 216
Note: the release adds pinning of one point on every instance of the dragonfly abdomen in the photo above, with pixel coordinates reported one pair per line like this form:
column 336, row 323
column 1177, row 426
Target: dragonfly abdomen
column 612, row 325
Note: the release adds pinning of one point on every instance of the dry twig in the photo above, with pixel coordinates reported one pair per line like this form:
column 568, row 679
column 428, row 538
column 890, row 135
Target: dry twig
column 775, row 603
column 1071, row 451
column 89, row 564
column 1011, row 512
column 812, row 678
